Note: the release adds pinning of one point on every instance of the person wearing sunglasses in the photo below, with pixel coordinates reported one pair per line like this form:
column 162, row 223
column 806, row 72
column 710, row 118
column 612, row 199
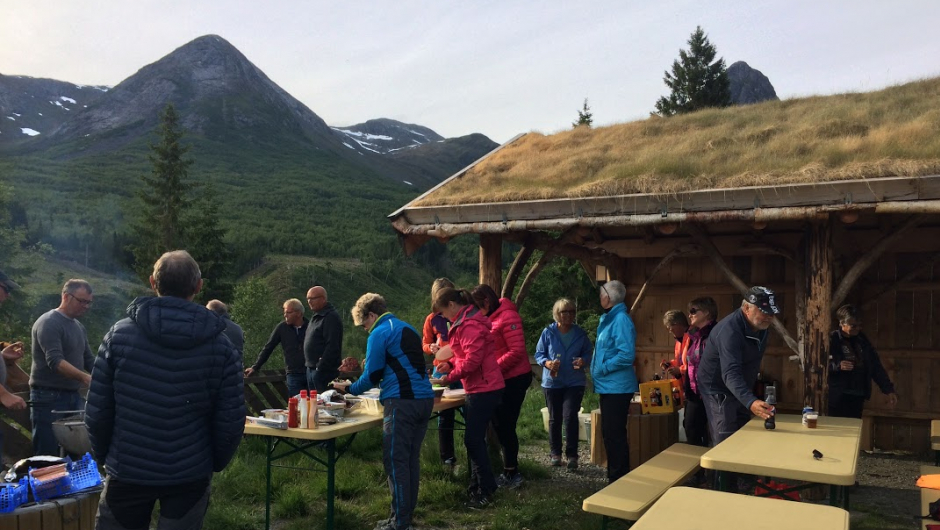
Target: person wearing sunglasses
column 62, row 363
column 703, row 313
column 562, row 351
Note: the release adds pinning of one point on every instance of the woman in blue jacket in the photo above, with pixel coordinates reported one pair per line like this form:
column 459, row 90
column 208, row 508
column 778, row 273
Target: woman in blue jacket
column 614, row 377
column 563, row 350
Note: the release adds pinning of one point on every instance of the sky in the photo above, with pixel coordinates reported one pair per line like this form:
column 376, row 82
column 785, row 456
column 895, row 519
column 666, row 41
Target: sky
column 500, row 68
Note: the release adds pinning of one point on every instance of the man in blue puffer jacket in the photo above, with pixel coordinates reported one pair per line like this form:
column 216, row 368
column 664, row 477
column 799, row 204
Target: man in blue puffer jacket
column 166, row 405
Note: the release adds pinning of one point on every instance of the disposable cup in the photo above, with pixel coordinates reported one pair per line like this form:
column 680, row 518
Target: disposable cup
column 811, row 420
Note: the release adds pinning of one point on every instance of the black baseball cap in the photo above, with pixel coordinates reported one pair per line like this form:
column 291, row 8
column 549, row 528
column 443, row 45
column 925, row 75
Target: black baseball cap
column 764, row 299
column 7, row 283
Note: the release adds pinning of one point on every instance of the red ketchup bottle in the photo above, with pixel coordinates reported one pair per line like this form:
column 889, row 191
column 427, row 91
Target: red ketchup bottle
column 293, row 419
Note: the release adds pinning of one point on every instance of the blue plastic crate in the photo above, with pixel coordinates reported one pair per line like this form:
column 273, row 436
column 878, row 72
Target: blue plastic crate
column 13, row 494
column 84, row 474
column 49, row 489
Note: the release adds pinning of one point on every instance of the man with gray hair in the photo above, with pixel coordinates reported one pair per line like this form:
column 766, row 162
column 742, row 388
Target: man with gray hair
column 232, row 330
column 166, row 406
column 729, row 366
column 290, row 335
column 61, row 364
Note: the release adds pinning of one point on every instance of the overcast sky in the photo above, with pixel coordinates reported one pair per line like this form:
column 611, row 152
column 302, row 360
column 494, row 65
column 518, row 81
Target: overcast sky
column 496, row 67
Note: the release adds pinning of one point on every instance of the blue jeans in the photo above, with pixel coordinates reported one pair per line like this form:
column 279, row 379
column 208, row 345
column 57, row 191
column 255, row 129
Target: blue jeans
column 45, row 400
column 295, row 383
column 319, row 380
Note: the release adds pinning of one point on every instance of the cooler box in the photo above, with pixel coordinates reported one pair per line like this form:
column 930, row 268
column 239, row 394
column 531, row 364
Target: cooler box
column 584, row 421
column 657, row 397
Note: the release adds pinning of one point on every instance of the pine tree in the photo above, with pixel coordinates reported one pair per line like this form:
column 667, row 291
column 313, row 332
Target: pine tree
column 207, row 244
column 584, row 116
column 696, row 82
column 164, row 197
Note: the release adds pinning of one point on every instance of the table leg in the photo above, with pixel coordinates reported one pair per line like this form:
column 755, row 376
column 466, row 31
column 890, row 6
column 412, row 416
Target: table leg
column 330, row 481
column 267, row 489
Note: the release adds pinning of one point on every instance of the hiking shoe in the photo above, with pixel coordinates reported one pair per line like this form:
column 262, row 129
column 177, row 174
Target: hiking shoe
column 450, row 462
column 572, row 463
column 556, row 461
column 478, row 501
column 388, row 524
column 509, row 480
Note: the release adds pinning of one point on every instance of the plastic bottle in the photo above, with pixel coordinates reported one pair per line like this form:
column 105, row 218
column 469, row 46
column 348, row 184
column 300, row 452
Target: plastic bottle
column 293, row 416
column 302, row 409
column 554, row 371
column 806, row 412
column 771, row 422
column 312, row 410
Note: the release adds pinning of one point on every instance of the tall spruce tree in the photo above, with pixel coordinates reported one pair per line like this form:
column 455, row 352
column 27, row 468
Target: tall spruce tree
column 697, row 81
column 584, row 116
column 165, row 197
column 207, row 244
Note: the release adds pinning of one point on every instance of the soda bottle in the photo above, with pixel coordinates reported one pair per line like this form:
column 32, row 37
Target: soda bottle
column 771, row 422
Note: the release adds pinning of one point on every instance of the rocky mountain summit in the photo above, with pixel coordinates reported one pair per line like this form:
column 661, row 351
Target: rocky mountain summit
column 385, row 136
column 749, row 85
column 31, row 106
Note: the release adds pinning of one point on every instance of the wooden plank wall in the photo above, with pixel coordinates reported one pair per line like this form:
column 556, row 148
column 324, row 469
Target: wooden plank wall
column 904, row 326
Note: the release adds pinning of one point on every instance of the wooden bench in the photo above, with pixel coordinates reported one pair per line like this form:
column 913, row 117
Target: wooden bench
column 935, row 440
column 630, row 496
column 928, row 495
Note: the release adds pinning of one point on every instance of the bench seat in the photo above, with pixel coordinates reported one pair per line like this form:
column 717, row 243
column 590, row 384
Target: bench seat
column 630, row 496
column 928, row 495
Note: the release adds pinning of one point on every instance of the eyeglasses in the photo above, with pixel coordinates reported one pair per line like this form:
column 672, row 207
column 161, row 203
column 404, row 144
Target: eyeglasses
column 311, row 298
column 82, row 301
column 694, row 310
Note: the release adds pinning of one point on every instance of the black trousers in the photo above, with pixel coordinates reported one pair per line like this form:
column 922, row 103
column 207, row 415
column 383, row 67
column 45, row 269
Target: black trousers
column 403, row 430
column 563, row 405
column 614, row 411
column 695, row 420
column 478, row 412
column 507, row 416
column 129, row 506
column 845, row 406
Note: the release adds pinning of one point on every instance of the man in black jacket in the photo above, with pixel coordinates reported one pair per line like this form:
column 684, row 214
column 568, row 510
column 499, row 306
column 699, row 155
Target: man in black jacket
column 323, row 346
column 731, row 361
column 290, row 335
column 166, row 407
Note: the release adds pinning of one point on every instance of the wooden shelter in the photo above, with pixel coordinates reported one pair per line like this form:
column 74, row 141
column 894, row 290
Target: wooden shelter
column 872, row 241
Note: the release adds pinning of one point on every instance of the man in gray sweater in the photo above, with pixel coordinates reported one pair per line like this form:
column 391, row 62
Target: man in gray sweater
column 62, row 362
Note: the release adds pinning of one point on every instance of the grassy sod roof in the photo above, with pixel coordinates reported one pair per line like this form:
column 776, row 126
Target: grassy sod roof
column 891, row 132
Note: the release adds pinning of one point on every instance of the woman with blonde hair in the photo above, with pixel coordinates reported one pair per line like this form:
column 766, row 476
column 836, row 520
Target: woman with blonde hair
column 563, row 350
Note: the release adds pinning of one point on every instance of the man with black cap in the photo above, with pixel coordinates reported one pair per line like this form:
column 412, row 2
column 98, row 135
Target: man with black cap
column 731, row 361
column 13, row 351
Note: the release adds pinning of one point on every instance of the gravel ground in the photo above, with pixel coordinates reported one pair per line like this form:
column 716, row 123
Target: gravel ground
column 886, row 496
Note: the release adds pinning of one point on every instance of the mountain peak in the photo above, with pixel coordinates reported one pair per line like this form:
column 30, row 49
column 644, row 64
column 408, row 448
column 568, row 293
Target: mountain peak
column 749, row 85
column 218, row 93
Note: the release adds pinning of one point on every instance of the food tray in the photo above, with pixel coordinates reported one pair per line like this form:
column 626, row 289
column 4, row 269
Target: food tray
column 13, row 494
column 84, row 474
column 79, row 475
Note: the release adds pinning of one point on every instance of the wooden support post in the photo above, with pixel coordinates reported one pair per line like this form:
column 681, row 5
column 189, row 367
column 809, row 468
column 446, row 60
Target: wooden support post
column 818, row 321
column 681, row 250
column 491, row 260
column 708, row 246
column 863, row 263
column 531, row 276
column 522, row 257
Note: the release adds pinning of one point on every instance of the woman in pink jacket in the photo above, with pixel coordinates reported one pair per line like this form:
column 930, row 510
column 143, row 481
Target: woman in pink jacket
column 509, row 341
column 474, row 364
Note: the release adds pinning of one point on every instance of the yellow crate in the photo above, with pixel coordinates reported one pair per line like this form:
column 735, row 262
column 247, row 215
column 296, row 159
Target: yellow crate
column 656, row 397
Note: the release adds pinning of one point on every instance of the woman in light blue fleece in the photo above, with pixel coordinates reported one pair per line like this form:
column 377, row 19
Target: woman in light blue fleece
column 614, row 377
